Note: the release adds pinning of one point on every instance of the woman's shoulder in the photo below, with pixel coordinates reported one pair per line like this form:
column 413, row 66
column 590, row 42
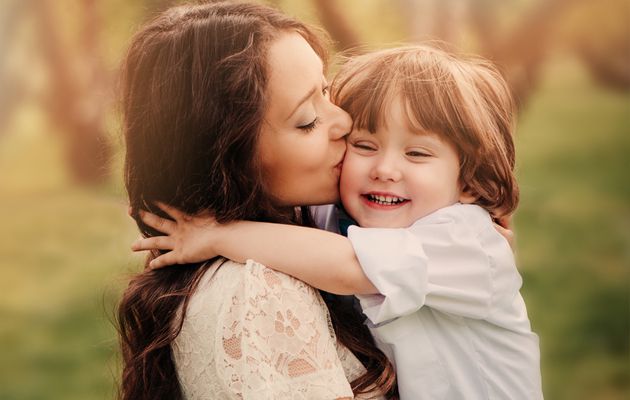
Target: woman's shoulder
column 252, row 285
column 249, row 296
column 248, row 324
column 228, row 275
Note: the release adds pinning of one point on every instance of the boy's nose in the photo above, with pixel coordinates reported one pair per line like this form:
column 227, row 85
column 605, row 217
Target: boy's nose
column 385, row 170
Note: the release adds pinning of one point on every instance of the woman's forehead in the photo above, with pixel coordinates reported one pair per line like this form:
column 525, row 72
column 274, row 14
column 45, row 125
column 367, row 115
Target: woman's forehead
column 294, row 70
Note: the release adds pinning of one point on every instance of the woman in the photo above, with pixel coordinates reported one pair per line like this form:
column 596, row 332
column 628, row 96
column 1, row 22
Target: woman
column 226, row 111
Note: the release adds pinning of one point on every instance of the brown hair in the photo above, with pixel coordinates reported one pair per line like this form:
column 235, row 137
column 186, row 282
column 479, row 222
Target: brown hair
column 465, row 101
column 194, row 83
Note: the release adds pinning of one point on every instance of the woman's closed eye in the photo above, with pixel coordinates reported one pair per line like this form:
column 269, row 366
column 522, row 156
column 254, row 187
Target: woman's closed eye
column 310, row 126
column 313, row 124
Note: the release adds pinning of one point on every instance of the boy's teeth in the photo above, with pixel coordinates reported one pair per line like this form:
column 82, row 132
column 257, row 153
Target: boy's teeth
column 385, row 200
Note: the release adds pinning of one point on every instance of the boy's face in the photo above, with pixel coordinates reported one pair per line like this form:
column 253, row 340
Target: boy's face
column 394, row 177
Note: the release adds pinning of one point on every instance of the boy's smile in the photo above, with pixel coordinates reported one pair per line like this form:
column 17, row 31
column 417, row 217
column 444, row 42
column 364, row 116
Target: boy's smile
column 394, row 177
column 383, row 200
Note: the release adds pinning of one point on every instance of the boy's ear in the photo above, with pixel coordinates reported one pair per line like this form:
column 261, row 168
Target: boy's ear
column 467, row 195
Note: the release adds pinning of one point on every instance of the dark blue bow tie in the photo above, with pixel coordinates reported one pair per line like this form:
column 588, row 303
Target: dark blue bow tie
column 344, row 222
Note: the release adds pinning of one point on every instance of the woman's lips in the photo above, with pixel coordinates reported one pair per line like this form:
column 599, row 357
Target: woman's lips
column 383, row 201
column 339, row 165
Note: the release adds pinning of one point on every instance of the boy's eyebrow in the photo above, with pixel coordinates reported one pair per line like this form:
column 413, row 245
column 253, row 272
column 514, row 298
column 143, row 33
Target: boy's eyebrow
column 430, row 138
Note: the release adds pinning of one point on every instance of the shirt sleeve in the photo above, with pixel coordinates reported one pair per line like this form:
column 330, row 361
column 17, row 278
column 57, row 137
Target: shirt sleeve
column 277, row 341
column 451, row 261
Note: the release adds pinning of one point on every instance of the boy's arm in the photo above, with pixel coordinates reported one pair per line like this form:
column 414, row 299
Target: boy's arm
column 322, row 259
column 452, row 261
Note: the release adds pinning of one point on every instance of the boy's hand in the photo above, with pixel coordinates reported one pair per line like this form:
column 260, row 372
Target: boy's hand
column 503, row 225
column 189, row 238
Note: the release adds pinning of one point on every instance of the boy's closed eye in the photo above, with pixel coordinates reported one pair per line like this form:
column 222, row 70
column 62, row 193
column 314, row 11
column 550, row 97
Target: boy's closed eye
column 418, row 154
column 365, row 146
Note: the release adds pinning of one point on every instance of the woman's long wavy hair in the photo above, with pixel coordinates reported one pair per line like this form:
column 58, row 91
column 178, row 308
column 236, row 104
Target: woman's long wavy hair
column 194, row 96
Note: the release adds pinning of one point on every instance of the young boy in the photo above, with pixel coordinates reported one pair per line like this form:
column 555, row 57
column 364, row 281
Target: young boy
column 429, row 165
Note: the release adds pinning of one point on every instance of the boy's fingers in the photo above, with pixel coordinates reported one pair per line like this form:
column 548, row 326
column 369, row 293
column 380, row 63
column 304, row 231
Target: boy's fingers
column 506, row 233
column 158, row 223
column 163, row 261
column 505, row 221
column 171, row 211
column 152, row 243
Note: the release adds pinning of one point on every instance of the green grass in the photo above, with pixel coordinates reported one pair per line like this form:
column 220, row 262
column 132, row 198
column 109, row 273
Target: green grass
column 573, row 230
column 64, row 255
column 64, row 251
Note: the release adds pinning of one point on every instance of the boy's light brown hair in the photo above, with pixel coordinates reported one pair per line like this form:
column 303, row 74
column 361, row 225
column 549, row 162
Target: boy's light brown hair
column 464, row 101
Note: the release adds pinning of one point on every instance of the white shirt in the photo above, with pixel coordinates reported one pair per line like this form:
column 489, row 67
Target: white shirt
column 449, row 313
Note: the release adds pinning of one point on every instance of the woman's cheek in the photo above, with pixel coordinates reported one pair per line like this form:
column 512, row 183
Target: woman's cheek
column 314, row 155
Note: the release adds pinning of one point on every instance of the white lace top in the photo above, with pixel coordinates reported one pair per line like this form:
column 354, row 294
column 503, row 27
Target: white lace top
column 254, row 333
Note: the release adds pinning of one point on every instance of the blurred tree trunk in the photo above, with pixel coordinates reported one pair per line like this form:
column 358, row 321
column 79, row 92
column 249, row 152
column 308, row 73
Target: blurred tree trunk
column 483, row 21
column 419, row 18
column 610, row 64
column 450, row 20
column 77, row 100
column 12, row 90
column 523, row 50
column 78, row 96
column 519, row 54
column 431, row 20
column 153, row 7
column 337, row 24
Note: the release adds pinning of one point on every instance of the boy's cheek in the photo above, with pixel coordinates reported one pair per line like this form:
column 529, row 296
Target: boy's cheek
column 347, row 180
column 350, row 188
column 355, row 169
column 346, row 174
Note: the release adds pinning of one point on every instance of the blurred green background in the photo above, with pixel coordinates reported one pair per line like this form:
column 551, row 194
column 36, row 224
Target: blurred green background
column 64, row 242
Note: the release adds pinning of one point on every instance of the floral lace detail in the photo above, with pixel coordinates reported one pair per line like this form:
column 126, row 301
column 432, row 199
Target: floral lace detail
column 253, row 333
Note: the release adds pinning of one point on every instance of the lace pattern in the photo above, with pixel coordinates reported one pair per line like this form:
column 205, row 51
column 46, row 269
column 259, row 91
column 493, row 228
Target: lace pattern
column 254, row 333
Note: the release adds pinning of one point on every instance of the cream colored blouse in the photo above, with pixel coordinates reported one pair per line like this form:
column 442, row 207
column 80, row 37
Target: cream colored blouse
column 254, row 333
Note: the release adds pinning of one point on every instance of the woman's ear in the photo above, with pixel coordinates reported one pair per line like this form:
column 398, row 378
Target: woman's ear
column 467, row 195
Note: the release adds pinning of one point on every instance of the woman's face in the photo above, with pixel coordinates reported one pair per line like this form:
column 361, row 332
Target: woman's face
column 302, row 138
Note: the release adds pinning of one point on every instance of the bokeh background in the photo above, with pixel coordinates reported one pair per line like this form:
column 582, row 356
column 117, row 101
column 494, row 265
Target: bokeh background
column 65, row 236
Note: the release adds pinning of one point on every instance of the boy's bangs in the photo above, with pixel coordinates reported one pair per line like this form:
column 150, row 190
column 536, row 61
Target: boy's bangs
column 366, row 97
column 367, row 87
column 436, row 101
column 424, row 109
column 371, row 109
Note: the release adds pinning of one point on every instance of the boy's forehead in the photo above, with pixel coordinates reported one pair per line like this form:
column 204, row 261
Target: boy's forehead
column 373, row 116
column 399, row 115
column 396, row 128
column 397, row 109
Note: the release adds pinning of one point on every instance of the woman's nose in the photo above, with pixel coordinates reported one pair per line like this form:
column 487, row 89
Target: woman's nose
column 386, row 169
column 342, row 123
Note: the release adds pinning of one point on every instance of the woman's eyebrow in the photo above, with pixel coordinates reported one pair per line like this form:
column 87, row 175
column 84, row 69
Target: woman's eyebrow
column 302, row 101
